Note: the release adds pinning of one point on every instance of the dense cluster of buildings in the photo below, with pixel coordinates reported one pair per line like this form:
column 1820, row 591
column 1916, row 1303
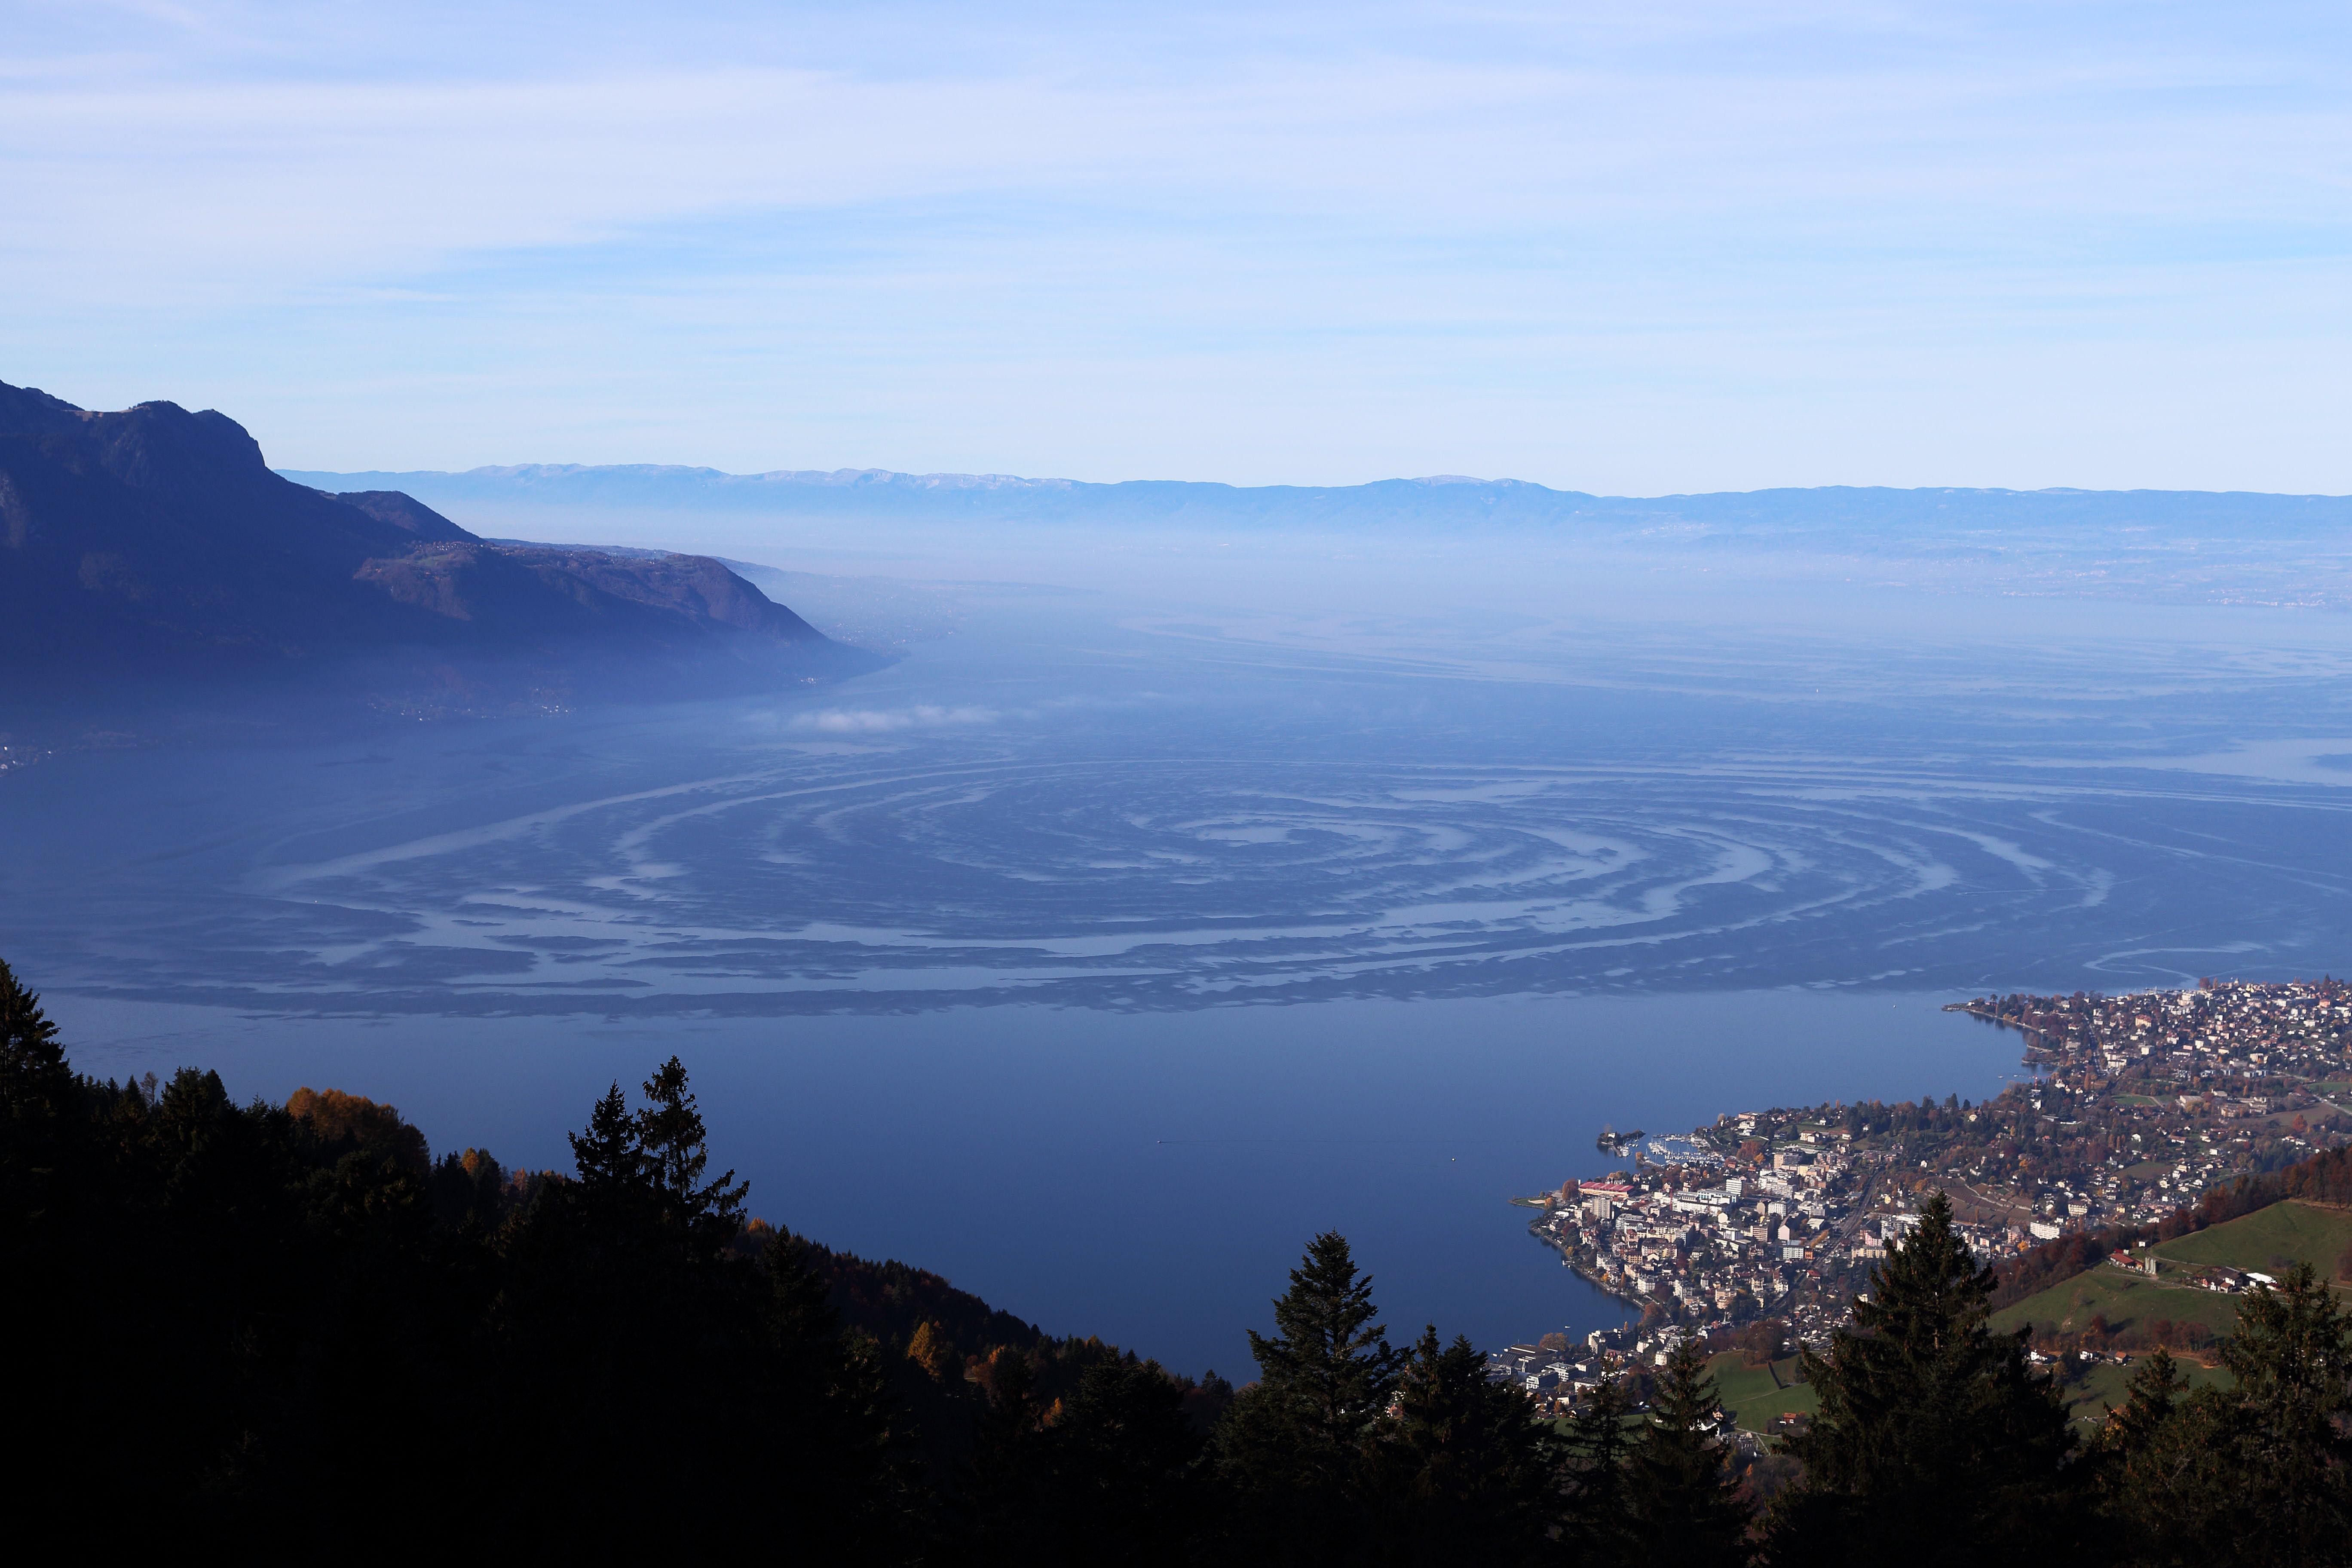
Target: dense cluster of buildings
column 2193, row 1086
column 2139, row 1104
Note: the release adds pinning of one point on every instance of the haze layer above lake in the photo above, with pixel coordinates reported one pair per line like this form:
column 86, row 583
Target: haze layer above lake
column 1157, row 843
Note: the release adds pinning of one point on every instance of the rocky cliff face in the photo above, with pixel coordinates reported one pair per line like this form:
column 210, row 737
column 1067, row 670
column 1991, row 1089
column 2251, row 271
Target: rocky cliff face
column 154, row 545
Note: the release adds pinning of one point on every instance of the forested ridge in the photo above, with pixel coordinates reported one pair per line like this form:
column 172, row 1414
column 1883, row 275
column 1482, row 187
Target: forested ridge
column 289, row 1327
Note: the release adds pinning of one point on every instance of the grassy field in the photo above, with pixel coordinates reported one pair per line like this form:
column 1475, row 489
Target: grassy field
column 1754, row 1395
column 2269, row 1239
column 2090, row 1394
column 2265, row 1240
column 2128, row 1300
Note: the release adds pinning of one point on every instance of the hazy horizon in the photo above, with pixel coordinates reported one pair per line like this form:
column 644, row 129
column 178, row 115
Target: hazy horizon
column 819, row 471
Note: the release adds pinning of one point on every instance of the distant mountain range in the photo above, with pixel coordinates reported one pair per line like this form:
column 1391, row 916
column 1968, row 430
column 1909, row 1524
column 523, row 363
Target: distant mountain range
column 155, row 544
column 2149, row 546
column 1841, row 515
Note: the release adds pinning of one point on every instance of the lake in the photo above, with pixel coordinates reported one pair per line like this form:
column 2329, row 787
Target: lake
column 1098, row 953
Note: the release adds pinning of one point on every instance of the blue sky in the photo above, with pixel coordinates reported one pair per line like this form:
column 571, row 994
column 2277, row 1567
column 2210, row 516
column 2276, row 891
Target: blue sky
column 1625, row 247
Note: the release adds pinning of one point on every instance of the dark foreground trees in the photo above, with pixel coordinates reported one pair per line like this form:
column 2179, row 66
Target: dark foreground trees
column 1348, row 1450
column 1294, row 1447
column 1463, row 1471
column 1680, row 1503
column 1115, row 1475
column 239, row 1322
column 2257, row 1472
column 273, row 1327
column 1936, row 1441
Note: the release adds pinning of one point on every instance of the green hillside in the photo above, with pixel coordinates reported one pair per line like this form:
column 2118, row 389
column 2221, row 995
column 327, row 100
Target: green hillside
column 2267, row 1240
column 2270, row 1239
column 2127, row 1300
column 1754, row 1395
column 2092, row 1392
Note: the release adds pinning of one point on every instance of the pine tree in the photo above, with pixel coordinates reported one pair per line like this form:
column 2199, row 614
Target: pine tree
column 1003, row 1483
column 676, row 1150
column 2150, row 1397
column 799, row 1305
column 2251, row 1472
column 1119, row 1474
column 38, row 1106
column 469, row 1191
column 2163, row 1471
column 1599, row 1525
column 1682, row 1505
column 1296, row 1446
column 2291, row 1359
column 840, row 1454
column 32, row 1063
column 1331, row 1365
column 1934, row 1441
column 56, row 1398
column 1469, row 1472
column 607, row 1156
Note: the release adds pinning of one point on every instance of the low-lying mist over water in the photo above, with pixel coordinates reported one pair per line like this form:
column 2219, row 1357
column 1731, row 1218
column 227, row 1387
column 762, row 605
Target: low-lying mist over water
column 1185, row 895
column 1098, row 800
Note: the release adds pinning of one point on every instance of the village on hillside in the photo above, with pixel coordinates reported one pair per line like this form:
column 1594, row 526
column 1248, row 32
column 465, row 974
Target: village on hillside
column 2137, row 1106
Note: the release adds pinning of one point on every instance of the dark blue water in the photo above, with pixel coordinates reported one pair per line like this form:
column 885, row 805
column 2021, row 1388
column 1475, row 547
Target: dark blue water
column 1145, row 1176
column 1099, row 954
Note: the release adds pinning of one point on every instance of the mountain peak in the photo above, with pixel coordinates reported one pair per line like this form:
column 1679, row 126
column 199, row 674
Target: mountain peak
column 28, row 411
column 156, row 545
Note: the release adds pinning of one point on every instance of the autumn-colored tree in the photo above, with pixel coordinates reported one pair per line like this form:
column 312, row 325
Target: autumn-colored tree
column 339, row 1123
column 930, row 1351
column 1764, row 1341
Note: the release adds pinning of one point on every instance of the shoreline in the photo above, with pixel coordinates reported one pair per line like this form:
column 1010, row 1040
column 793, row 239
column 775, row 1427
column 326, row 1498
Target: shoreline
column 2137, row 1106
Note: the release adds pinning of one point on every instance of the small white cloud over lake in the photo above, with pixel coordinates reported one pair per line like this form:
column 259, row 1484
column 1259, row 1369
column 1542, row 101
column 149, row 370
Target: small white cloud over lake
column 883, row 721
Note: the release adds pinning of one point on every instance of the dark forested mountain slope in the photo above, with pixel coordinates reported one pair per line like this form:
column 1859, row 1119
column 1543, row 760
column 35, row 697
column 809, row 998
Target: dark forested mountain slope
column 155, row 543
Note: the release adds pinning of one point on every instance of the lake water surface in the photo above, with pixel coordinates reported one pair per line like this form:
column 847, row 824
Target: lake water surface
column 1099, row 953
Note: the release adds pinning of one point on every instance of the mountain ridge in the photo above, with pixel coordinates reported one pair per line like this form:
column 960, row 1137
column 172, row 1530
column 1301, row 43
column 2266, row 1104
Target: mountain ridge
column 952, row 479
column 1790, row 514
column 155, row 545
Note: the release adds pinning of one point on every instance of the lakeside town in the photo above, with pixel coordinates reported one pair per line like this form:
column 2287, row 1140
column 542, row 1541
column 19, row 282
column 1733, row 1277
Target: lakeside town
column 2137, row 1105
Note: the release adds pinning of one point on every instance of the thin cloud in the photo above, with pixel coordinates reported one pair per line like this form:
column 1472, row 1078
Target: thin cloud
column 886, row 720
column 1639, row 249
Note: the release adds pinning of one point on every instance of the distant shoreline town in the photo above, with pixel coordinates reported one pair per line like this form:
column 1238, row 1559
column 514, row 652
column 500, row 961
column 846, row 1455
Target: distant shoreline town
column 2140, row 1104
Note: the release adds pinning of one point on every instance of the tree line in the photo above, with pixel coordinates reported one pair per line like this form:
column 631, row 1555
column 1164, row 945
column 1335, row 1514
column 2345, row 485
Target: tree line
column 285, row 1327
